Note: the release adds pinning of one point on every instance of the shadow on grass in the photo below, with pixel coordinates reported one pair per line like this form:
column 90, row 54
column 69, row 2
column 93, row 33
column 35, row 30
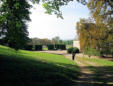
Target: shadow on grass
column 27, row 72
column 101, row 76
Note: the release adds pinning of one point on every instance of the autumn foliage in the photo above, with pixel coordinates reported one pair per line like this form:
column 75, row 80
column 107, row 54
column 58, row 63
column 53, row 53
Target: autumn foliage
column 95, row 36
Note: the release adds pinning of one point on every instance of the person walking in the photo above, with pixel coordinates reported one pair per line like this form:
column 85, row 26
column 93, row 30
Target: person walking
column 73, row 55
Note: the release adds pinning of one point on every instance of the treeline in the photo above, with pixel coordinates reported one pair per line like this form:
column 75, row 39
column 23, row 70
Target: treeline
column 68, row 42
column 95, row 37
column 37, row 41
column 38, row 44
column 46, row 41
column 54, row 44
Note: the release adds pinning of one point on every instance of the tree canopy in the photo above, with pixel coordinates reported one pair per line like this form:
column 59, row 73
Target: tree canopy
column 53, row 6
column 94, row 36
column 101, row 10
column 14, row 15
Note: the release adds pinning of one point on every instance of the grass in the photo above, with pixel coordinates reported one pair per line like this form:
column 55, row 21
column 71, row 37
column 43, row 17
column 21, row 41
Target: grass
column 69, row 46
column 45, row 48
column 92, row 52
column 26, row 68
column 101, row 68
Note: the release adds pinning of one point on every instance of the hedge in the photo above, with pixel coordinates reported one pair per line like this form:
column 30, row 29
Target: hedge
column 50, row 47
column 63, row 47
column 57, row 46
column 60, row 46
column 38, row 47
column 28, row 47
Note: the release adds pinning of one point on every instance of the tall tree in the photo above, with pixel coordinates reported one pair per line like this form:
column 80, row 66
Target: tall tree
column 102, row 10
column 57, row 40
column 14, row 15
column 96, row 36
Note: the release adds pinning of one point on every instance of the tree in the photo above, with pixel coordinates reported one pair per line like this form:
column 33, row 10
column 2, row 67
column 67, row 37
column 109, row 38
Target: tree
column 53, row 6
column 102, row 10
column 14, row 15
column 68, row 42
column 94, row 36
column 99, row 8
column 57, row 40
column 37, row 41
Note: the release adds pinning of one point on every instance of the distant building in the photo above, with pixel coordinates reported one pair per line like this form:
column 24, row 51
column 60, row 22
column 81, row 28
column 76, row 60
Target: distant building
column 76, row 43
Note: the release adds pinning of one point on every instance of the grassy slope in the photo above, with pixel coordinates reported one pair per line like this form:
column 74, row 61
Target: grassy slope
column 102, row 69
column 25, row 68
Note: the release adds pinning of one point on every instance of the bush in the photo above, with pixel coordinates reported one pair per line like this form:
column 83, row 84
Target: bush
column 92, row 52
column 73, row 49
column 69, row 50
column 63, row 47
column 50, row 47
column 28, row 47
column 60, row 46
column 38, row 47
column 57, row 46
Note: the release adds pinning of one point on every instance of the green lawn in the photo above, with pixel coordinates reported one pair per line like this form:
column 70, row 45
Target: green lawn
column 26, row 68
column 101, row 68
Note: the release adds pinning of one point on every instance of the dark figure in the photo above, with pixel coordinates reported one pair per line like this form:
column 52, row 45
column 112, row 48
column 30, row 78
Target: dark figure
column 73, row 55
column 89, row 56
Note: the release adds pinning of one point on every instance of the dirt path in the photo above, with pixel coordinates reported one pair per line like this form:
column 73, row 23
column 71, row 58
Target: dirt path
column 86, row 76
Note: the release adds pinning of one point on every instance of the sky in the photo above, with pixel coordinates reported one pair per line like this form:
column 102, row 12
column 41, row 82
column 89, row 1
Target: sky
column 48, row 26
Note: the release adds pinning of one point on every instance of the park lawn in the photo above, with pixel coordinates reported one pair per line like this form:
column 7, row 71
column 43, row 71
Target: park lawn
column 101, row 68
column 27, row 68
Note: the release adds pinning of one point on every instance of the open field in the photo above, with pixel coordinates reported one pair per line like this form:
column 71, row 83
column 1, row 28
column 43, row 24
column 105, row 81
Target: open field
column 25, row 68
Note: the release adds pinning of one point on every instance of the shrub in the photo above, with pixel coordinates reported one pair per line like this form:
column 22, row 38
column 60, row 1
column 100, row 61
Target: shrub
column 28, row 47
column 57, row 46
column 69, row 50
column 38, row 47
column 50, row 47
column 63, row 47
column 73, row 49
column 107, row 52
column 60, row 46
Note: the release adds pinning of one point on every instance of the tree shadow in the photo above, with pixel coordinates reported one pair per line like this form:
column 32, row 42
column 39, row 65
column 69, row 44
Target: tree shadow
column 29, row 72
column 101, row 76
